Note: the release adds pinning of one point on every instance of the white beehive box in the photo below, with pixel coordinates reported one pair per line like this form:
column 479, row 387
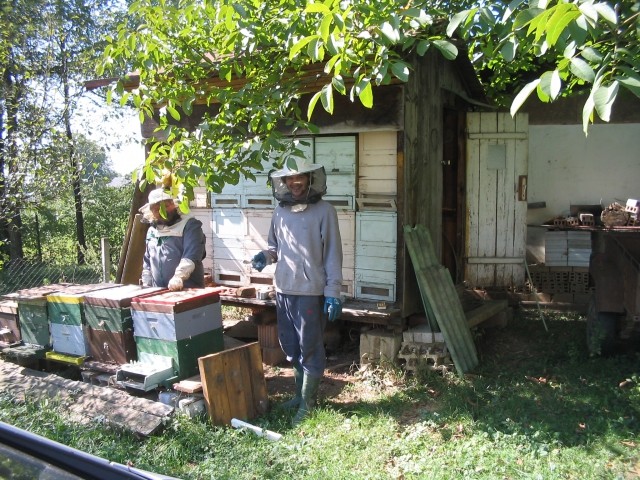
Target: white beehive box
column 555, row 249
column 375, row 258
column 377, row 168
column 362, row 186
column 205, row 215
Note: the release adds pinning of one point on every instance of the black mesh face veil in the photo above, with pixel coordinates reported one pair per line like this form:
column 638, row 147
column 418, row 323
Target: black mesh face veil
column 317, row 186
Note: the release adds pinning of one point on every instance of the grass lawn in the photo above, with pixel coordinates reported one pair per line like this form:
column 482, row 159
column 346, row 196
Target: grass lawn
column 537, row 407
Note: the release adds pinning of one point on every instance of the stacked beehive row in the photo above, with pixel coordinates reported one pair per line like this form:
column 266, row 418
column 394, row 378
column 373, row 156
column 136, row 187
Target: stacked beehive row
column 115, row 325
column 361, row 184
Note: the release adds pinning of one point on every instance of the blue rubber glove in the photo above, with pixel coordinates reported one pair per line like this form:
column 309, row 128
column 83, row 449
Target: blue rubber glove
column 332, row 308
column 259, row 261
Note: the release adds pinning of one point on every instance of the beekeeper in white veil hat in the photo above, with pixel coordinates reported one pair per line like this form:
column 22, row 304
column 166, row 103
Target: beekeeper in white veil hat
column 304, row 242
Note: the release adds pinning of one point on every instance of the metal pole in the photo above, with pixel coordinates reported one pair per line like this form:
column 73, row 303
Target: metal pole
column 106, row 259
column 535, row 292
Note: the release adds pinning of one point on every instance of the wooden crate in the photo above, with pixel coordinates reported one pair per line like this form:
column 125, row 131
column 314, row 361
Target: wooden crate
column 233, row 384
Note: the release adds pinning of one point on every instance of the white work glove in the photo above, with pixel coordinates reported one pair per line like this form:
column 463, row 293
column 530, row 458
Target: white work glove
column 184, row 271
column 146, row 279
column 176, row 284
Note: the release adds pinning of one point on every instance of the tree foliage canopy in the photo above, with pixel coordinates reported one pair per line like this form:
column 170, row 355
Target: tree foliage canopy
column 261, row 52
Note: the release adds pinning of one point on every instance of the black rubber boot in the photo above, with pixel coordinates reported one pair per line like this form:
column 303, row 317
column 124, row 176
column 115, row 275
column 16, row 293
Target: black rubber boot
column 309, row 398
column 298, row 375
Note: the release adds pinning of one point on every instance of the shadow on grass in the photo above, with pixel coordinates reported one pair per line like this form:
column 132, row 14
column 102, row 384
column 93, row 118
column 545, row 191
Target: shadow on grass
column 530, row 383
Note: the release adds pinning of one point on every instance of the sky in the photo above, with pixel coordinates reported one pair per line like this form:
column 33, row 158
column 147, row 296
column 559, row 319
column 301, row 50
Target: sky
column 125, row 159
column 120, row 136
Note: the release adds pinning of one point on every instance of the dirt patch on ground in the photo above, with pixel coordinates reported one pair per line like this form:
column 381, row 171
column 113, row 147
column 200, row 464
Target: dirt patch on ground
column 346, row 381
column 342, row 382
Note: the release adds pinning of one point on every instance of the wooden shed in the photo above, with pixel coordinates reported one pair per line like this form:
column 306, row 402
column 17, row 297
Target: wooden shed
column 430, row 152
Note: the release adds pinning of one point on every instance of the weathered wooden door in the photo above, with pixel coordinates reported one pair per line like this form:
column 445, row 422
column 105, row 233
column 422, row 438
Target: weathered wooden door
column 496, row 197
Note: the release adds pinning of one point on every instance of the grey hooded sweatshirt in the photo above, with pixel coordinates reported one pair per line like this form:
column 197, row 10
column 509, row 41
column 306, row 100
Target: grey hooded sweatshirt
column 308, row 250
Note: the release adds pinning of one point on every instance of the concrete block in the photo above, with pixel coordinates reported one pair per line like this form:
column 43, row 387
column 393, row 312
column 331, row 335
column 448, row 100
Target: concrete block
column 379, row 346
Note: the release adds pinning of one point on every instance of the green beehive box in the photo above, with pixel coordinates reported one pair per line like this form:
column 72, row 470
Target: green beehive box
column 108, row 319
column 185, row 353
column 110, row 309
column 67, row 307
column 32, row 312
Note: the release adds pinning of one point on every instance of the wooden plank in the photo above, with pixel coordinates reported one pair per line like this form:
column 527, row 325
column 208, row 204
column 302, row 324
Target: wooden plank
column 258, row 383
column 485, row 312
column 505, row 198
column 472, row 196
column 214, row 388
column 521, row 207
column 510, row 136
column 505, row 260
column 189, row 385
column 86, row 402
column 238, row 386
column 233, row 384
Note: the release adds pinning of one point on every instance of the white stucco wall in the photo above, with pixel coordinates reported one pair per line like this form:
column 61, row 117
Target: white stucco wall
column 566, row 168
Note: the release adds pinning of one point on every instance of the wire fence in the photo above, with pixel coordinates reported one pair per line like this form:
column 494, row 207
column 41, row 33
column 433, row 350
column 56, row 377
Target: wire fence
column 21, row 274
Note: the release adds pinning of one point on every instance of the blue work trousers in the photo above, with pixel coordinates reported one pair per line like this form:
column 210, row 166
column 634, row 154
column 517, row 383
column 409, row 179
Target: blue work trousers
column 301, row 323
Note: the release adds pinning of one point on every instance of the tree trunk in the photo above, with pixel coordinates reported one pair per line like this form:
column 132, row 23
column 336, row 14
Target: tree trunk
column 73, row 159
column 10, row 221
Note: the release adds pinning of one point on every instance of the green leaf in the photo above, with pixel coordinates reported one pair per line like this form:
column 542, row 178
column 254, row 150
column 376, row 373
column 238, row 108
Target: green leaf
column 592, row 55
column 333, row 61
column 578, row 31
column 603, row 98
column 325, row 27
column 338, row 84
column 423, row 46
column 327, row 98
column 606, row 12
column 317, row 8
column 587, row 113
column 631, row 84
column 513, row 6
column 400, row 70
column 508, row 50
column 300, row 45
column 630, row 80
column 459, row 18
column 448, row 49
column 550, row 84
column 582, row 70
column 525, row 17
column 559, row 21
column 390, row 32
column 366, row 96
column 173, row 112
column 523, row 95
column 315, row 50
column 590, row 13
column 312, row 104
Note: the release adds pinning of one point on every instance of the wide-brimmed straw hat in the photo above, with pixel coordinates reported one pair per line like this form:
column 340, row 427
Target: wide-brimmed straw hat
column 156, row 196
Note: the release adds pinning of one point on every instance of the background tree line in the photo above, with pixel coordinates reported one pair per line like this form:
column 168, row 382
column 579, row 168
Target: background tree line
column 56, row 201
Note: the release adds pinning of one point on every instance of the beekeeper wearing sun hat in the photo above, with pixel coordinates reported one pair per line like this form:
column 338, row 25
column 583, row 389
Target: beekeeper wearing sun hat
column 304, row 242
column 175, row 245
